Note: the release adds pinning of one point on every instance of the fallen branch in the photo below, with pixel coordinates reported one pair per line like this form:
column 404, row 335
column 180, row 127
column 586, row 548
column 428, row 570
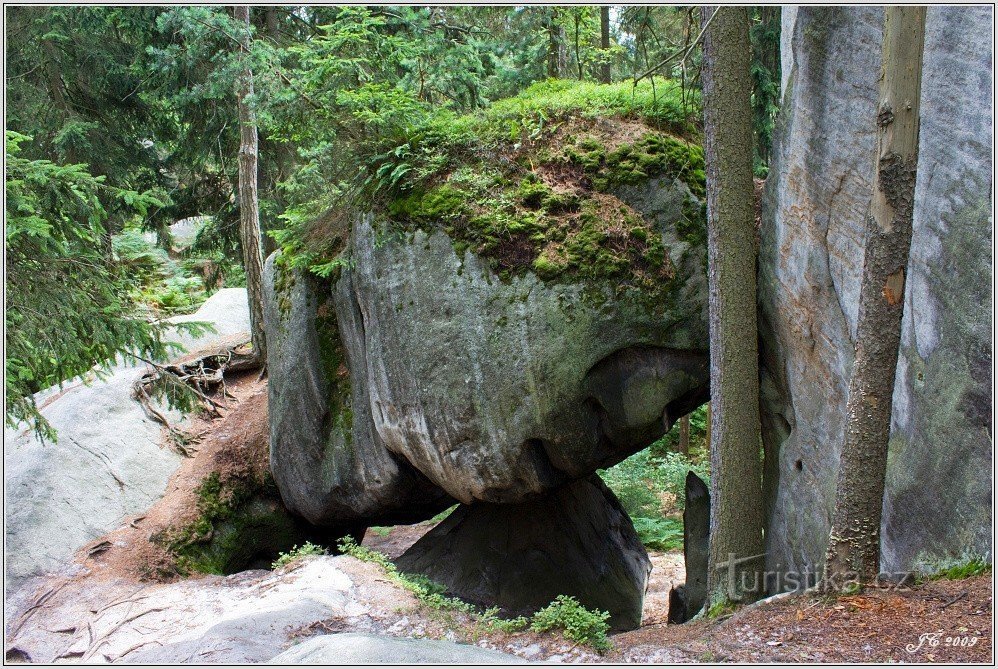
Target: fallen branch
column 954, row 600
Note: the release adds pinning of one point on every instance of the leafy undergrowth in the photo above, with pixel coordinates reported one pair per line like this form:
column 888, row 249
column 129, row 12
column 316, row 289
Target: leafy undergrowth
column 651, row 484
column 566, row 614
column 531, row 183
column 165, row 286
column 306, row 549
column 960, row 568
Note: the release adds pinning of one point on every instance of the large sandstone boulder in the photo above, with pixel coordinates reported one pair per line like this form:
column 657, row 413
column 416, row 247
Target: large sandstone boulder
column 419, row 361
column 577, row 541
column 938, row 499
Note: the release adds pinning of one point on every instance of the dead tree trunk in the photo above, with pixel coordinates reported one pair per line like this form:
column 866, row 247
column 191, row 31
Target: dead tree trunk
column 249, row 208
column 736, row 471
column 854, row 542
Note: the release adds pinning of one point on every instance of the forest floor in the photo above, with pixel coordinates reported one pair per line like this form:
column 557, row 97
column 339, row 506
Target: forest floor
column 935, row 621
column 878, row 625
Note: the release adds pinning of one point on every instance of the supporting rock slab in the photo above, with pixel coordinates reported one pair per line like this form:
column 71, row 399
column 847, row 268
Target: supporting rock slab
column 575, row 541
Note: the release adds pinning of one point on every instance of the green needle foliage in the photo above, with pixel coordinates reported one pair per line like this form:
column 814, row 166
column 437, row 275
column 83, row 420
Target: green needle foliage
column 67, row 304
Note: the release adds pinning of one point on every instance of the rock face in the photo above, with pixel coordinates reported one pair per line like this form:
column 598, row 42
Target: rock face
column 811, row 260
column 354, row 648
column 108, row 461
column 494, row 391
column 330, row 465
column 686, row 600
column 247, row 618
column 577, row 541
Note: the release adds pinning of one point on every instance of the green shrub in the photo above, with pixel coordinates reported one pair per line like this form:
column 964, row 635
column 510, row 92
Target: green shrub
column 579, row 623
column 308, row 548
column 633, row 481
column 672, row 471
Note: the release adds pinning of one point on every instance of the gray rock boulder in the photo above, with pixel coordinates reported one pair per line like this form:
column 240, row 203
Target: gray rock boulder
column 494, row 390
column 576, row 541
column 938, row 500
column 358, row 648
column 109, row 461
column 329, row 463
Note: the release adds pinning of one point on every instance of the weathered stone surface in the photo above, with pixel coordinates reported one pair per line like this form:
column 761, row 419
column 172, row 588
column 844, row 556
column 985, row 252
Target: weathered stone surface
column 495, row 391
column 938, row 502
column 811, row 259
column 355, row 648
column 329, row 463
column 686, row 600
column 109, row 460
column 575, row 541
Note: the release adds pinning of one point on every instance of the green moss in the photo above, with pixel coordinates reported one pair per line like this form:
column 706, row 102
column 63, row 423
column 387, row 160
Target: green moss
column 692, row 227
column 438, row 204
column 210, row 543
column 284, row 282
column 332, row 356
column 654, row 154
column 547, row 269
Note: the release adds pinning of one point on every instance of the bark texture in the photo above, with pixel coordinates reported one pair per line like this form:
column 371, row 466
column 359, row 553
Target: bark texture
column 249, row 206
column 736, row 471
column 604, row 42
column 854, row 543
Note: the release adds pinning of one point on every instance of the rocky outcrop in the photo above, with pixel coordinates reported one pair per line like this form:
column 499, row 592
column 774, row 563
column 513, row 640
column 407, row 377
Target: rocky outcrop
column 577, row 541
column 938, row 500
column 493, row 390
column 686, row 600
column 354, row 648
column 250, row 617
column 108, row 462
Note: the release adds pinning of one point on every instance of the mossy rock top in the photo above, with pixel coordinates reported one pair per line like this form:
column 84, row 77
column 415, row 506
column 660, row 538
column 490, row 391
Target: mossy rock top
column 533, row 183
column 551, row 205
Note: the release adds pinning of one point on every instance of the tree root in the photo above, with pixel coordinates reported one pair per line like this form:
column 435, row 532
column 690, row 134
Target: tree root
column 193, row 383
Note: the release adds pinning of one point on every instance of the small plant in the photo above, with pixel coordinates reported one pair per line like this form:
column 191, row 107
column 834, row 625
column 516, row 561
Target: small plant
column 308, row 548
column 427, row 591
column 565, row 613
column 491, row 622
column 579, row 623
column 965, row 567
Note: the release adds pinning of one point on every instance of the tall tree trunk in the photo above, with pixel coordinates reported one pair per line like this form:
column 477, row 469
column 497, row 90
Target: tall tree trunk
column 604, row 43
column 684, row 435
column 854, row 542
column 249, row 209
column 557, row 55
column 736, row 472
column 578, row 51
